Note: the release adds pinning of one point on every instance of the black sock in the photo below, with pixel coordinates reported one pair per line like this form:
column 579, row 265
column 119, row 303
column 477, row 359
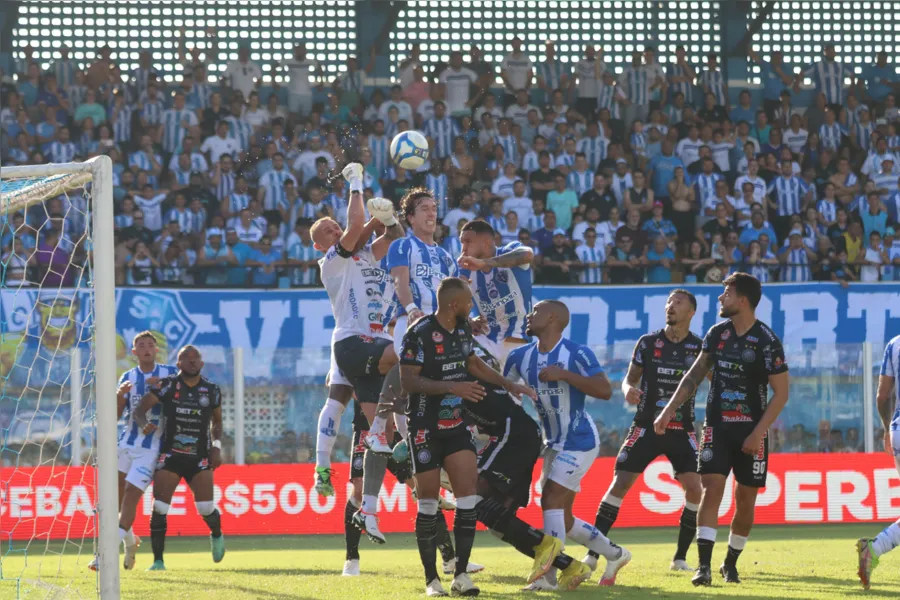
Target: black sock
column 731, row 556
column 443, row 540
column 686, row 532
column 426, row 526
column 464, row 532
column 606, row 517
column 351, row 533
column 158, row 526
column 214, row 522
column 705, row 550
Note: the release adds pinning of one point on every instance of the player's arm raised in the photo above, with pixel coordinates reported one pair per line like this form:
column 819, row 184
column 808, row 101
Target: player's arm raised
column 483, row 372
column 382, row 211
column 514, row 258
column 356, row 211
column 884, row 397
column 412, row 382
column 140, row 414
column 686, row 389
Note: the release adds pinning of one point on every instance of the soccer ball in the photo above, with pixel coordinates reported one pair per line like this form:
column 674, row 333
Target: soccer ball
column 409, row 150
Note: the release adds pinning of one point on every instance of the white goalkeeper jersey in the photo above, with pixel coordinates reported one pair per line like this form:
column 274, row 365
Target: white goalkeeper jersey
column 360, row 290
column 132, row 436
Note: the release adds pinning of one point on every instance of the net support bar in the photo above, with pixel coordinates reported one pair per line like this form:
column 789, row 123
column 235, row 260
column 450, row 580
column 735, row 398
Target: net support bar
column 75, row 383
column 868, row 369
column 238, row 358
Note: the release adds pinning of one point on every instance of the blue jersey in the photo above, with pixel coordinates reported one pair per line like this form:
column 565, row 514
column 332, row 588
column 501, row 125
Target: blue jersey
column 560, row 406
column 890, row 367
column 428, row 264
column 502, row 296
column 132, row 436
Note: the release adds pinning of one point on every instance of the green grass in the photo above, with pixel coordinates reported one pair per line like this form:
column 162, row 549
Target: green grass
column 779, row 562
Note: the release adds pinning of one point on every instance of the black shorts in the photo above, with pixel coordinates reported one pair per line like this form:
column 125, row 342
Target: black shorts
column 720, row 454
column 402, row 471
column 357, row 357
column 507, row 462
column 642, row 446
column 183, row 465
column 428, row 452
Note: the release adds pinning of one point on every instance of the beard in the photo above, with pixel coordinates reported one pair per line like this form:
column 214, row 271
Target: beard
column 671, row 321
column 529, row 331
column 727, row 312
column 190, row 373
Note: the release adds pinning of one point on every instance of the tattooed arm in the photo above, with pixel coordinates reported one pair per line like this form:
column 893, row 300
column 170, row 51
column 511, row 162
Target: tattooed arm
column 687, row 388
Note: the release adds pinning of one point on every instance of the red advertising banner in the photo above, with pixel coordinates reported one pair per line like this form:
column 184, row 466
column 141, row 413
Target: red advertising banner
column 58, row 503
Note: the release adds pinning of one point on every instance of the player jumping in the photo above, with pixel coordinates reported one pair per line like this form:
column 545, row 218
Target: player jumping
column 745, row 357
column 500, row 279
column 657, row 365
column 191, row 448
column 564, row 374
column 437, row 361
column 870, row 550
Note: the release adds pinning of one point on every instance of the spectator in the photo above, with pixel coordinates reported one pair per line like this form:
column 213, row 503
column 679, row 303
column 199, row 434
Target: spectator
column 696, row 263
column 660, row 259
column 90, row 109
column 662, row 169
column 796, row 258
column 558, row 260
column 519, row 202
column 871, row 259
column 625, row 263
column 242, row 75
column 829, row 76
column 140, row 266
column 591, row 221
column 657, row 226
column 265, row 260
column 220, row 144
column 516, row 71
column 509, row 232
column 599, row 197
column 592, row 256
column 543, row 237
column 563, row 202
column 302, row 256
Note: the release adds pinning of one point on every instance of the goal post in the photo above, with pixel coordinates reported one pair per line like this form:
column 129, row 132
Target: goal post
column 26, row 186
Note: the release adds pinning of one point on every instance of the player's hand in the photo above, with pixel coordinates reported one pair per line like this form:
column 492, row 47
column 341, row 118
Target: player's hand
column 517, row 389
column 381, row 209
column 468, row 390
column 215, row 458
column 753, row 442
column 148, row 429
column 414, row 316
column 662, row 421
column 479, row 325
column 124, row 388
column 353, row 172
column 633, row 396
column 152, row 381
column 552, row 373
column 469, row 263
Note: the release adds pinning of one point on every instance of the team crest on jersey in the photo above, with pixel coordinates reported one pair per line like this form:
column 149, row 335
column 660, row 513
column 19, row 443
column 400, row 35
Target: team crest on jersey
column 493, row 294
column 659, row 343
column 437, row 337
column 204, row 463
column 748, row 355
column 778, row 362
column 706, row 455
column 204, row 401
column 423, row 456
column 623, row 456
column 358, row 463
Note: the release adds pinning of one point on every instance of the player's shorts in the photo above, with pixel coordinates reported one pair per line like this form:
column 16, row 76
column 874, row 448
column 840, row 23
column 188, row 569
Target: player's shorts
column 567, row 467
column 402, row 471
column 335, row 377
column 399, row 332
column 428, row 452
column 720, row 454
column 499, row 349
column 357, row 358
column 185, row 465
column 507, row 462
column 138, row 464
column 642, row 446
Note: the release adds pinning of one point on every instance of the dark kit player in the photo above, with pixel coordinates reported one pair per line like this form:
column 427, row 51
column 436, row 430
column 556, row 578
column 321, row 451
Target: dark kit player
column 745, row 358
column 437, row 365
column 659, row 361
column 191, row 448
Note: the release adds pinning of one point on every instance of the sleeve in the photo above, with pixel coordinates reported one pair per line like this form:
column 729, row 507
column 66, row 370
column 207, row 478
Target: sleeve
column 773, row 356
column 164, row 389
column 215, row 400
column 398, row 254
column 586, row 362
column 511, row 369
column 637, row 357
column 887, row 364
column 710, row 339
column 412, row 352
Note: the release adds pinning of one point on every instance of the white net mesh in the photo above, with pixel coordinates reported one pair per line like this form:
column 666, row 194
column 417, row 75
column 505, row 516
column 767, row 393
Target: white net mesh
column 47, row 441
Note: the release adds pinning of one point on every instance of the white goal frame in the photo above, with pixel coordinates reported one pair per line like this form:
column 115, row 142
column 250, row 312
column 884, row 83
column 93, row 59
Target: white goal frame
column 99, row 172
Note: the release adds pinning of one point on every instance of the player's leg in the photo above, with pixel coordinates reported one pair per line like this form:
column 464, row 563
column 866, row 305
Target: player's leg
column 427, row 469
column 390, row 390
column 139, row 475
column 124, row 459
column 750, row 475
column 351, row 531
column 713, row 485
column 870, row 550
column 462, row 468
column 608, row 511
column 164, row 483
column 340, row 391
column 681, row 450
column 202, row 486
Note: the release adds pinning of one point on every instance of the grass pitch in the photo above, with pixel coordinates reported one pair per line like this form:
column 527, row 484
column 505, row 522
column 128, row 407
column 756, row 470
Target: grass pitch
column 815, row 562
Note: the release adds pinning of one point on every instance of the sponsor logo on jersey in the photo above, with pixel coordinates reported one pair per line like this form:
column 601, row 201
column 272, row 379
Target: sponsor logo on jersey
column 732, row 396
column 657, row 354
column 707, row 435
column 502, row 276
column 692, row 439
column 427, row 272
column 730, row 366
column 752, row 339
column 720, row 346
column 439, row 349
column 450, row 366
column 778, row 362
column 725, row 335
column 489, row 307
column 659, row 343
column 550, row 392
column 669, row 371
column 421, row 436
column 735, row 416
column 691, row 346
column 761, row 451
column 204, row 463
column 186, row 411
column 633, row 436
column 409, row 355
column 437, row 337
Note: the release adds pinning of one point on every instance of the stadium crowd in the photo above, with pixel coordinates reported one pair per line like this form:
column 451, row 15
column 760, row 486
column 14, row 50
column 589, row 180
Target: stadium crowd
column 647, row 175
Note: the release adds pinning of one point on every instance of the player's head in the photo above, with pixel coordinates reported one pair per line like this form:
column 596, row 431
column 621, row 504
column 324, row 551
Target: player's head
column 680, row 307
column 144, row 347
column 454, row 296
column 419, row 210
column 742, row 293
column 547, row 316
column 190, row 362
column 477, row 239
column 325, row 233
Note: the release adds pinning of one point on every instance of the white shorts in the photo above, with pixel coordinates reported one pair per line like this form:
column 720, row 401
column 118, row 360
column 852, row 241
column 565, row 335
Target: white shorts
column 138, row 464
column 399, row 332
column 335, row 377
column 500, row 349
column 567, row 467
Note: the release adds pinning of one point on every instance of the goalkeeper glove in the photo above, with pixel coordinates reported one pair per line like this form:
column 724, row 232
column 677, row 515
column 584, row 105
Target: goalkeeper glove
column 353, row 173
column 383, row 210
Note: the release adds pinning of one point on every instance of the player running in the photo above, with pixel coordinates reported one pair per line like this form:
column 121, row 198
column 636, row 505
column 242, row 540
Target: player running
column 191, row 449
column 870, row 550
column 657, row 365
column 745, row 357
column 500, row 279
column 564, row 374
column 137, row 452
column 436, row 363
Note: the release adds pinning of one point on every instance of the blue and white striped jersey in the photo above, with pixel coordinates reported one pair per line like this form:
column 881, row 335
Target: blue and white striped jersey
column 225, row 185
column 174, row 123
column 440, row 189
column 510, row 146
column 715, row 81
column 273, row 182
column 428, row 265
column 636, row 81
column 685, row 87
column 59, row 152
column 560, row 406
column 890, row 367
column 121, row 122
column 706, row 185
column 240, row 130
column 64, row 71
column 552, row 72
column 587, row 255
column 442, row 131
column 580, row 182
column 797, row 267
column 502, row 296
column 828, row 77
column 789, row 192
column 131, row 435
column 380, row 153
column 830, row 135
column 608, row 97
column 297, row 250
column 152, row 111
column 864, row 134
column 497, row 223
column 594, row 149
column 828, row 210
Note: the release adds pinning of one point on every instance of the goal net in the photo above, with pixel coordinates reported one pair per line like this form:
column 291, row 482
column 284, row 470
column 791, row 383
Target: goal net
column 58, row 487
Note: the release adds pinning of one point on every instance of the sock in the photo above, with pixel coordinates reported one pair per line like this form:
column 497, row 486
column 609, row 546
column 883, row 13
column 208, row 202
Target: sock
column 158, row 526
column 687, row 530
column 377, row 426
column 129, row 537
column 504, row 524
column 887, row 540
column 589, row 536
column 736, row 545
column 706, row 540
column 402, row 427
column 374, row 467
column 607, row 513
column 464, row 531
column 214, row 522
column 351, row 533
column 426, row 527
column 369, row 504
column 443, row 540
column 326, row 432
column 555, row 525
column 122, row 534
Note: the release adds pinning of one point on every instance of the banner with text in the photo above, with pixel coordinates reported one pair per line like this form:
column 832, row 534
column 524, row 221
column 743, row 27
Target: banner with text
column 279, row 499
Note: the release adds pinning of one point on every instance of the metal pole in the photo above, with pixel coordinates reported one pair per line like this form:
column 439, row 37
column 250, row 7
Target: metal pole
column 868, row 397
column 238, row 356
column 76, row 405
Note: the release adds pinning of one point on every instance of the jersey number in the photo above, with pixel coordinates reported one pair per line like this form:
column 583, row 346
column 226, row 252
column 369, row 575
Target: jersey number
column 759, row 467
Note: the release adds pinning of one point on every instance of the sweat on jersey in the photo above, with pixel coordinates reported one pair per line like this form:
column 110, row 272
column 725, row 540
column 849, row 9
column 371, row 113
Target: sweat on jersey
column 502, row 296
column 560, row 406
column 131, row 435
column 428, row 264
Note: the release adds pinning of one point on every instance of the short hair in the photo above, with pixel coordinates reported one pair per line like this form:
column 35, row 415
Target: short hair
column 746, row 286
column 478, row 228
column 188, row 348
column 691, row 297
column 450, row 286
column 146, row 334
column 410, row 201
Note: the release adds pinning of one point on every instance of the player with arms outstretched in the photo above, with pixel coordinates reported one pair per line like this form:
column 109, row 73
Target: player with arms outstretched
column 745, row 358
column 657, row 365
column 563, row 374
column 191, row 418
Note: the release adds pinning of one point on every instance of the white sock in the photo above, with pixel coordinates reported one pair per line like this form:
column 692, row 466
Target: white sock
column 122, row 534
column 129, row 537
column 692, row 506
column 706, row 533
column 402, row 427
column 887, row 540
column 555, row 525
column 737, row 541
column 370, row 504
column 378, row 425
column 611, row 500
column 326, row 432
column 590, row 537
